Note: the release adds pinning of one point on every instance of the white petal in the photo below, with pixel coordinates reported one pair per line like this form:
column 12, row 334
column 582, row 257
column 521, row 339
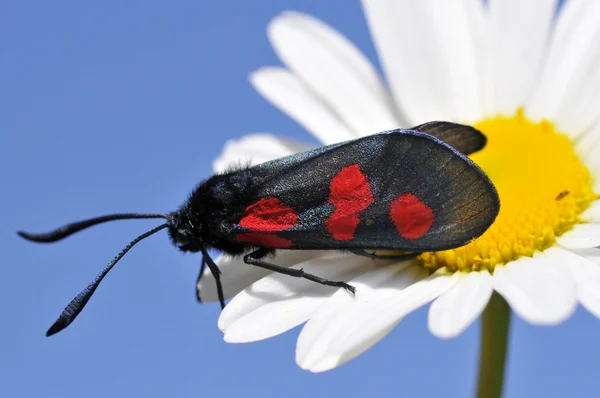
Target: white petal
column 384, row 315
column 279, row 302
column 342, row 328
column 593, row 164
column 569, row 84
column 288, row 93
column 335, row 69
column 536, row 290
column 429, row 51
column 588, row 145
column 592, row 213
column 581, row 236
column 454, row 311
column 255, row 149
column 588, row 291
column 592, row 254
column 317, row 336
column 236, row 275
column 586, row 274
column 592, row 161
column 518, row 33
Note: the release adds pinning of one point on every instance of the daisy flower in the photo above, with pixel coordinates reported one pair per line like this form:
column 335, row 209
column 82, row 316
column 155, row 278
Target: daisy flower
column 528, row 78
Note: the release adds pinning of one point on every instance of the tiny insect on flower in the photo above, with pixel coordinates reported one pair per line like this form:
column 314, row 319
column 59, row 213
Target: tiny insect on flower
column 410, row 191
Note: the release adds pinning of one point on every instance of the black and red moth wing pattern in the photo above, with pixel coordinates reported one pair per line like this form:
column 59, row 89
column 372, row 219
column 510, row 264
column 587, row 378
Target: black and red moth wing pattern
column 397, row 190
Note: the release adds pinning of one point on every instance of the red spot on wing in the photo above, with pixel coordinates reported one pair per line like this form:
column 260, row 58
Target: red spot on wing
column 350, row 194
column 411, row 217
column 266, row 240
column 268, row 214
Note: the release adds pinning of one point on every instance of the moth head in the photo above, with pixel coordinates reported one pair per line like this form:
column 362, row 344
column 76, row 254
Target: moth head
column 181, row 231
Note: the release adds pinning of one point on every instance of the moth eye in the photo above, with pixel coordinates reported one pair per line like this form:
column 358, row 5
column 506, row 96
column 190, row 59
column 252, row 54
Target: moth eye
column 182, row 239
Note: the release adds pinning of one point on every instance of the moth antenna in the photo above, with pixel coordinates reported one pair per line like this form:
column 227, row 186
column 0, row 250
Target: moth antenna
column 78, row 303
column 69, row 229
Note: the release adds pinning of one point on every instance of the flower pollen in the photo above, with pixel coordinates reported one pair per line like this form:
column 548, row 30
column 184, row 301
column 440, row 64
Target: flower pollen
column 543, row 188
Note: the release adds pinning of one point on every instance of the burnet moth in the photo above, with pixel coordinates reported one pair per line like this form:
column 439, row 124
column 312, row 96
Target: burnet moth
column 410, row 191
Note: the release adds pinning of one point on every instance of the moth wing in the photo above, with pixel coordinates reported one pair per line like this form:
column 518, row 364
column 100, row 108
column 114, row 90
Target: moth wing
column 459, row 199
column 465, row 139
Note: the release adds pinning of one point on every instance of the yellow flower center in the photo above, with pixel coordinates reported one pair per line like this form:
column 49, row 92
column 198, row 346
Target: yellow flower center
column 543, row 188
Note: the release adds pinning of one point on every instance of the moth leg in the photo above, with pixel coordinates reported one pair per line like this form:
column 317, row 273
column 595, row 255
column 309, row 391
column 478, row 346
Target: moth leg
column 360, row 252
column 254, row 259
column 216, row 272
column 202, row 267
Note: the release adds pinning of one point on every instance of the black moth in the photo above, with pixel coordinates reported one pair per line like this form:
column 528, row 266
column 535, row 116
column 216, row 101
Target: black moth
column 405, row 190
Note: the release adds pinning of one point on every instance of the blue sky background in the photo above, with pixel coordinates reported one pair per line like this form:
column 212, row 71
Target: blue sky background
column 122, row 106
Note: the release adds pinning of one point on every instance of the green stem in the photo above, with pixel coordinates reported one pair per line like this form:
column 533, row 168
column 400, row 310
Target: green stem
column 495, row 324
